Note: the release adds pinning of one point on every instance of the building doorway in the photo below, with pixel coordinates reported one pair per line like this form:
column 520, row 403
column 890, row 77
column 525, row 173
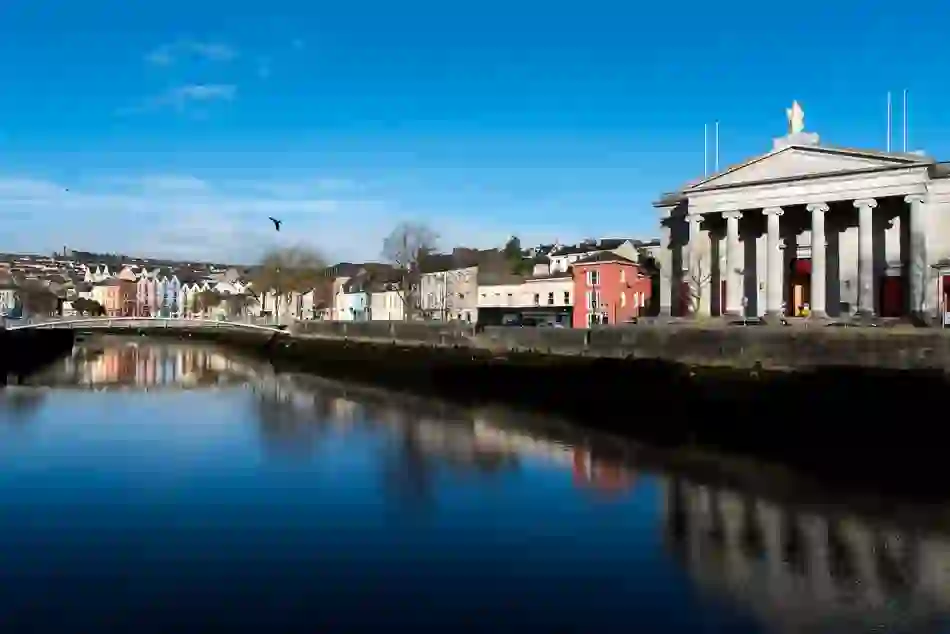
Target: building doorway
column 799, row 287
column 892, row 295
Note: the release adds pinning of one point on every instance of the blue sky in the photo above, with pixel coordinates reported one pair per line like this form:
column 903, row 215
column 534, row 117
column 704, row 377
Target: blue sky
column 178, row 127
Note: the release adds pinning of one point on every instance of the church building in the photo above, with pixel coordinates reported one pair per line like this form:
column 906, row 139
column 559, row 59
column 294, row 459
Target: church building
column 809, row 229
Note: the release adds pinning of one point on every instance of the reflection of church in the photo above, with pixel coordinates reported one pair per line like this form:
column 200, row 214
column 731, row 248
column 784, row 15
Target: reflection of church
column 809, row 228
column 801, row 569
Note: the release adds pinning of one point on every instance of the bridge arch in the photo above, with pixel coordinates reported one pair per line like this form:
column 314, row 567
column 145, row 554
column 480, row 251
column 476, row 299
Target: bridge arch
column 146, row 323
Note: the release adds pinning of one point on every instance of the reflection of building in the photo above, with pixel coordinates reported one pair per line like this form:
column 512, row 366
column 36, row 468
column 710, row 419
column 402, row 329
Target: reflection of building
column 589, row 469
column 801, row 570
column 145, row 365
column 602, row 475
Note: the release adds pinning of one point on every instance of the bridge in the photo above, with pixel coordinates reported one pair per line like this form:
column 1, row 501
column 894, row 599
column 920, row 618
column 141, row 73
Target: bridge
column 144, row 323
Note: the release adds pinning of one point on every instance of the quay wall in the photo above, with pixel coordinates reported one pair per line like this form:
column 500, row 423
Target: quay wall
column 789, row 348
column 25, row 351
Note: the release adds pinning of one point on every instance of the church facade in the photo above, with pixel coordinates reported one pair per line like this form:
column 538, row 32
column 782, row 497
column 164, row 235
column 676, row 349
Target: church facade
column 809, row 229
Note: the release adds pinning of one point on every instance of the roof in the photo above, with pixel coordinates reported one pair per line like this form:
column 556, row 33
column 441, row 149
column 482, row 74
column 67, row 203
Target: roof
column 602, row 257
column 561, row 274
column 344, row 269
column 572, row 249
column 887, row 160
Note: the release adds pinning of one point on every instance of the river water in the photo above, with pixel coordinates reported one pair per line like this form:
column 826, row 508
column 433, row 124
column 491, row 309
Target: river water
column 176, row 488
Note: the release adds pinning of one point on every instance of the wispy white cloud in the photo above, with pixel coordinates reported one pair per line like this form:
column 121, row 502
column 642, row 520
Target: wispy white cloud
column 177, row 215
column 170, row 53
column 299, row 188
column 201, row 92
column 180, row 97
column 184, row 216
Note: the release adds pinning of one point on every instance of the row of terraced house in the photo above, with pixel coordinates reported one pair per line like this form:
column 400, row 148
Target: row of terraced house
column 594, row 282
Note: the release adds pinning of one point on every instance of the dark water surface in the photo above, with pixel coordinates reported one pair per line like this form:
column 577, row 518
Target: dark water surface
column 175, row 488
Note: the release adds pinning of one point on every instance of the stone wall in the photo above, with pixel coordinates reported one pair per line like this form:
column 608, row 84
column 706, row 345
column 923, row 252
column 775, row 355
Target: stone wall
column 25, row 351
column 418, row 332
column 739, row 347
column 736, row 347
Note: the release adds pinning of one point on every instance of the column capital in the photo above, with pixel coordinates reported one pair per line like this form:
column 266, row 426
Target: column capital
column 865, row 202
column 694, row 217
column 773, row 211
column 914, row 198
column 732, row 214
column 817, row 208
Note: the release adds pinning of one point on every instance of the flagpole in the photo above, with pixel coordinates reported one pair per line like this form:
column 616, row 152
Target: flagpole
column 716, row 168
column 905, row 120
column 888, row 121
column 705, row 150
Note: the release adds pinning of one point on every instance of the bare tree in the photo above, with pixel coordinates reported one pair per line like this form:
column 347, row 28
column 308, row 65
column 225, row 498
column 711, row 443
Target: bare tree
column 405, row 248
column 37, row 299
column 238, row 304
column 697, row 278
column 287, row 271
column 207, row 300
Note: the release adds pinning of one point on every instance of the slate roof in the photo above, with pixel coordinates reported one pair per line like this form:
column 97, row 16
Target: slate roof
column 603, row 256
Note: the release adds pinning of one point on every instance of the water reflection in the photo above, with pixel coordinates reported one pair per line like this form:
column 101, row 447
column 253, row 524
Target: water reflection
column 783, row 564
column 804, row 570
column 123, row 364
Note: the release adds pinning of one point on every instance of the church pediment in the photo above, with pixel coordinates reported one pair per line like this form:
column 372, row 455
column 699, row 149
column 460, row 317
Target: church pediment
column 804, row 162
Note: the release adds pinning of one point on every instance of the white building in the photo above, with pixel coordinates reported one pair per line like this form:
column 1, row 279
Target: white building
column 541, row 297
column 809, row 228
column 387, row 305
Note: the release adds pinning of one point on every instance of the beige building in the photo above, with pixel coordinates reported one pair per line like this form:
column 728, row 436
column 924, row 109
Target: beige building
column 450, row 294
column 542, row 296
column 809, row 228
column 387, row 304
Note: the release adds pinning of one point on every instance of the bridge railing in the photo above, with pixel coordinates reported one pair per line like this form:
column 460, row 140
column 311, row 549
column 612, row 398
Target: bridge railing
column 136, row 322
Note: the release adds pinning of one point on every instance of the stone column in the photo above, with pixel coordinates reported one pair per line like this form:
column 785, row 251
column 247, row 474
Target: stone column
column 734, row 264
column 696, row 273
column 774, row 264
column 918, row 272
column 865, row 255
column 819, row 273
column 667, row 275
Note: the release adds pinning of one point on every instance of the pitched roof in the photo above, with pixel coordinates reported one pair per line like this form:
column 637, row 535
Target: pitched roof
column 604, row 256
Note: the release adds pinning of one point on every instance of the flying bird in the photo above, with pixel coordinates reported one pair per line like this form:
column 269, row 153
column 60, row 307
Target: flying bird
column 276, row 222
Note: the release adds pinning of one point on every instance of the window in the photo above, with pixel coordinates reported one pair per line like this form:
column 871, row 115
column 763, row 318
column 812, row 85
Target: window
column 589, row 300
column 537, row 299
column 550, row 299
column 643, row 300
column 593, row 278
column 567, row 298
column 623, row 299
column 623, row 276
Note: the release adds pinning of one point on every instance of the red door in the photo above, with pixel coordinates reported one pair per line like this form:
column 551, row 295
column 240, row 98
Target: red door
column 892, row 296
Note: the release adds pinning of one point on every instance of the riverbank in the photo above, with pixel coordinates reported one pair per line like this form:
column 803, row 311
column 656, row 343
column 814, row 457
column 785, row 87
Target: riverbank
column 25, row 351
column 867, row 428
column 805, row 346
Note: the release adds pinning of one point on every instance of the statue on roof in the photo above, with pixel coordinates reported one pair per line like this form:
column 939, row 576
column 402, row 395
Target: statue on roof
column 796, row 118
